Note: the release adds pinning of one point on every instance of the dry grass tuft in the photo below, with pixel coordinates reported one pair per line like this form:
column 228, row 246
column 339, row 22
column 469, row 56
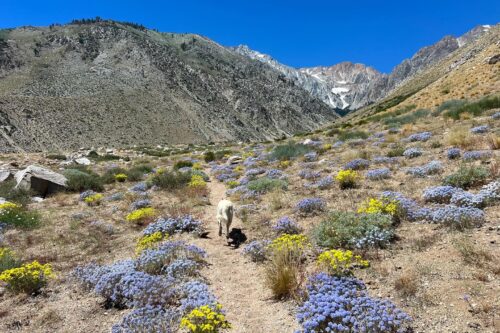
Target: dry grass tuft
column 407, row 283
column 284, row 274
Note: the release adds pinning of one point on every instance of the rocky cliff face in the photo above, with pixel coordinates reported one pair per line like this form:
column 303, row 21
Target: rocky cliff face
column 110, row 83
column 347, row 86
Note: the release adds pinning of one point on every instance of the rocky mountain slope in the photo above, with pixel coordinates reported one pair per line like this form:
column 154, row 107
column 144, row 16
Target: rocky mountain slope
column 347, row 86
column 100, row 82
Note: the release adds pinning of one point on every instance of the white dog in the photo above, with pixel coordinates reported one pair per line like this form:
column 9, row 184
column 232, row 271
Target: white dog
column 225, row 215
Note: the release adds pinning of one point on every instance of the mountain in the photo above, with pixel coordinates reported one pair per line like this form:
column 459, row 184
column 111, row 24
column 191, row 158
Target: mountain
column 468, row 72
column 96, row 82
column 347, row 86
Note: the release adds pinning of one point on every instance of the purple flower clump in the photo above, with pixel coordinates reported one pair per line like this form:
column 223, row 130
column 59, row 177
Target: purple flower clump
column 439, row 194
column 285, row 225
column 311, row 205
column 422, row 136
column 357, row 164
column 342, row 304
column 378, row 174
column 453, row 153
column 476, row 155
column 480, row 129
column 412, row 152
column 256, row 250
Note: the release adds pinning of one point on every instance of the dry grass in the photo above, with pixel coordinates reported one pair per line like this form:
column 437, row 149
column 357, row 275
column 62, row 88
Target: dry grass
column 284, row 274
column 477, row 256
column 407, row 283
column 461, row 137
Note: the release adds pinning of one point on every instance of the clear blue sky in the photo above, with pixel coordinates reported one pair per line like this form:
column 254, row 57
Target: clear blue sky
column 297, row 33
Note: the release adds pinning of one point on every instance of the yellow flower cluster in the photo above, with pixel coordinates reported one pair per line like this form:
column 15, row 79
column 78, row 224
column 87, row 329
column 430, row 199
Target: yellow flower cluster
column 376, row 206
column 197, row 166
column 197, row 181
column 338, row 262
column 284, row 164
column 150, row 241
column 290, row 243
column 347, row 178
column 232, row 183
column 6, row 257
column 327, row 146
column 140, row 215
column 9, row 206
column 94, row 199
column 204, row 319
column 239, row 169
column 248, row 154
column 160, row 171
column 28, row 278
column 121, row 177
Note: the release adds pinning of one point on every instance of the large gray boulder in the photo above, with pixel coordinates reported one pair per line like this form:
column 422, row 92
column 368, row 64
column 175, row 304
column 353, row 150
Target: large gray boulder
column 40, row 180
column 5, row 175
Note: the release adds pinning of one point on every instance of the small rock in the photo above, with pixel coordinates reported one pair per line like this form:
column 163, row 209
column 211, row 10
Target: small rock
column 82, row 161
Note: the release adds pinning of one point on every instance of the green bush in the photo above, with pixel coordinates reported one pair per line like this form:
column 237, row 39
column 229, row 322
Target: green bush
column 396, row 151
column 342, row 229
column 10, row 193
column 182, row 164
column 474, row 108
column 209, row 156
column 100, row 158
column 467, row 176
column 352, row 135
column 265, row 184
column 109, row 176
column 407, row 118
column 59, row 157
column 79, row 180
column 7, row 259
column 171, row 180
column 288, row 151
column 19, row 217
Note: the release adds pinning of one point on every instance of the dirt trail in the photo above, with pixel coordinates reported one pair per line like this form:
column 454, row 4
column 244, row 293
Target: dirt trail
column 239, row 283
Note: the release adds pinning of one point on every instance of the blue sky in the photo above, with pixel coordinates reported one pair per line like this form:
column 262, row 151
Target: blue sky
column 298, row 33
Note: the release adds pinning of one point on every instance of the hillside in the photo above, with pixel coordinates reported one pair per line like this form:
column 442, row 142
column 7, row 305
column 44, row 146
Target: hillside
column 97, row 83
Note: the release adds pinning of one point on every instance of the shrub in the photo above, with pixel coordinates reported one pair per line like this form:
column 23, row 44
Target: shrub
column 209, row 156
column 197, row 181
column 344, row 229
column 108, row 177
column 347, row 179
column 431, row 168
column 357, row 164
column 29, row 278
column 93, row 199
column 78, row 181
column 467, row 177
column 172, row 225
column 340, row 263
column 378, row 174
column 480, row 129
column 149, row 319
column 282, row 274
column 475, row 155
column 289, row 151
column 141, row 215
column 205, row 319
column 342, row 304
column 412, row 152
column 474, row 108
column 379, row 206
column 257, row 250
column 344, row 136
column 293, row 244
column 439, row 194
column 15, row 215
column 121, row 177
column 458, row 217
column 60, row 157
column 422, row 136
column 265, row 184
column 397, row 151
column 453, row 153
column 182, row 164
column 171, row 180
column 7, row 259
column 150, row 241
column 9, row 192
column 311, row 205
column 309, row 174
column 285, row 225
